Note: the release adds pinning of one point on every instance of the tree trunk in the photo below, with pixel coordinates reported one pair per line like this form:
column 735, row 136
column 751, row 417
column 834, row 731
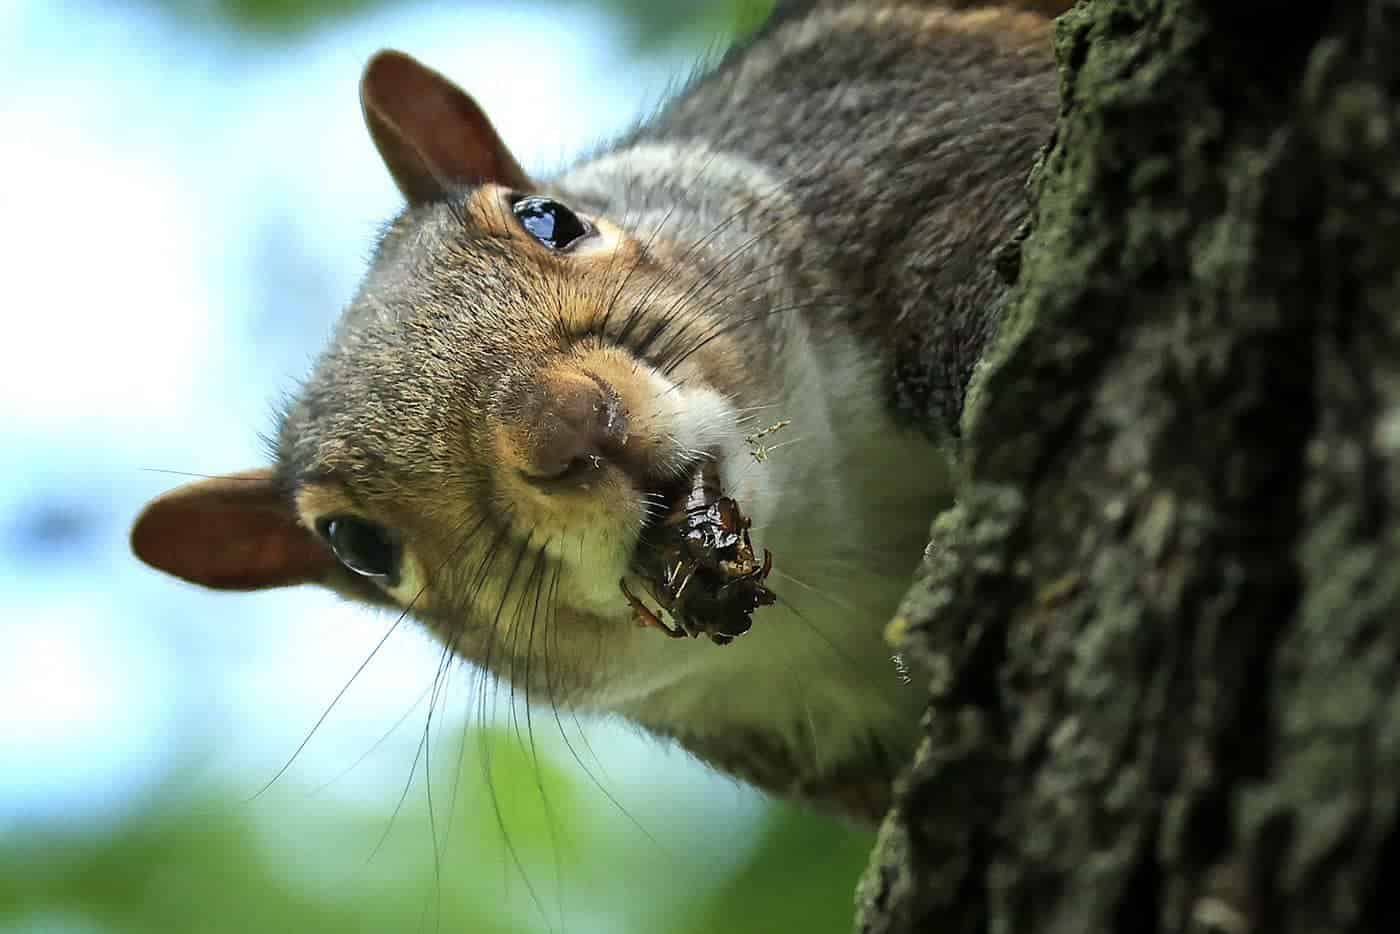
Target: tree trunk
column 1162, row 627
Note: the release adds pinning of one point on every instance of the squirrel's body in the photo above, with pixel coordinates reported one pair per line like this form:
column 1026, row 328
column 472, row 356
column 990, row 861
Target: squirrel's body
column 909, row 128
column 805, row 237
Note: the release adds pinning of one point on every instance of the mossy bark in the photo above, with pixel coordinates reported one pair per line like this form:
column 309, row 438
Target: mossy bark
column 1162, row 626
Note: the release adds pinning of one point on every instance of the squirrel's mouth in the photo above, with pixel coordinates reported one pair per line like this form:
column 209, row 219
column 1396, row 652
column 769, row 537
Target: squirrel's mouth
column 666, row 497
column 664, row 500
column 694, row 561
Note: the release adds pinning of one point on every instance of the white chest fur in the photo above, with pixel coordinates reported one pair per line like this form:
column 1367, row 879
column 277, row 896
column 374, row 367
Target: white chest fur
column 843, row 501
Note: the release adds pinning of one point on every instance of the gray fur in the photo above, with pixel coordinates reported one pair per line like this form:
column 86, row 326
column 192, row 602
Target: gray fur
column 842, row 181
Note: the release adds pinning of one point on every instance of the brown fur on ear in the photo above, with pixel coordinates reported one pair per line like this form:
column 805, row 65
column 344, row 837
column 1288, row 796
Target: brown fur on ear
column 236, row 532
column 430, row 133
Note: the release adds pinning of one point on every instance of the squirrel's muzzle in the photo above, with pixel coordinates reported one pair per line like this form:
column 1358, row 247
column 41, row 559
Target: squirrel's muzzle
column 564, row 429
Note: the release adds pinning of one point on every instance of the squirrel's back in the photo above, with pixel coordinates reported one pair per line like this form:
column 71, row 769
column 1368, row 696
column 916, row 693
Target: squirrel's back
column 905, row 130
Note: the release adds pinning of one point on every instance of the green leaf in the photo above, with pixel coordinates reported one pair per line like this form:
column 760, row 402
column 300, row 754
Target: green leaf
column 705, row 21
column 802, row 877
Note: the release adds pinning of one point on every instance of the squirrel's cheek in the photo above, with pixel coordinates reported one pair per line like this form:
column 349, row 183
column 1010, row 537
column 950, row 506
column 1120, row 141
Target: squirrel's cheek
column 597, row 497
column 412, row 588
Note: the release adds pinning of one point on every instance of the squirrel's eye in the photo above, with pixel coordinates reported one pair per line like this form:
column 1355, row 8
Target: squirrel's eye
column 550, row 222
column 363, row 547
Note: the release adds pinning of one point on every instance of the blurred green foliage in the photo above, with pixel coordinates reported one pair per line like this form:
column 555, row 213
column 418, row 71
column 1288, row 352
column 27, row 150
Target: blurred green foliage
column 802, row 878
column 531, row 846
column 654, row 21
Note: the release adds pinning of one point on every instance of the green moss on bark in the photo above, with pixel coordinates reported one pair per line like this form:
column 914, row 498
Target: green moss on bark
column 1163, row 624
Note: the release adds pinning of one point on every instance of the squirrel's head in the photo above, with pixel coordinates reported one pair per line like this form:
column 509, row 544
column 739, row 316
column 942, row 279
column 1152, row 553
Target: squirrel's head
column 519, row 386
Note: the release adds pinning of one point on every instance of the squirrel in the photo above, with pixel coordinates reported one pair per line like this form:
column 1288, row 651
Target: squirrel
column 787, row 275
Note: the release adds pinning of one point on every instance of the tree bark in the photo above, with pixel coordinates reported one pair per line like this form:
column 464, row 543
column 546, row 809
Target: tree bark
column 1162, row 627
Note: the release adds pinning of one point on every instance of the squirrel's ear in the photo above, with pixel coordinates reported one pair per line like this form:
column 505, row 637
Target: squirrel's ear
column 430, row 133
column 236, row 532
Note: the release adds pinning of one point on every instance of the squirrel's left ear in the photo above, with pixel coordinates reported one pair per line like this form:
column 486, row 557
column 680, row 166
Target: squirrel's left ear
column 432, row 136
column 236, row 532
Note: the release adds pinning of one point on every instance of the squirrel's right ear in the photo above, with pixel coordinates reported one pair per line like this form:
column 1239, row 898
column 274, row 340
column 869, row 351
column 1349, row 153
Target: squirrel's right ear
column 236, row 532
column 430, row 133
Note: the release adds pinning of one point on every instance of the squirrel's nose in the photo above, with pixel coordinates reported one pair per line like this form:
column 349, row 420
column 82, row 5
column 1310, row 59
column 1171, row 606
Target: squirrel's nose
column 574, row 424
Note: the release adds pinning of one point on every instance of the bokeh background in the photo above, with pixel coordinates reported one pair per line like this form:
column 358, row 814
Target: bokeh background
column 188, row 199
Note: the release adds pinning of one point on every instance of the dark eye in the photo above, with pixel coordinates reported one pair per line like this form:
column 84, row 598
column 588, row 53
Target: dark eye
column 361, row 546
column 550, row 222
